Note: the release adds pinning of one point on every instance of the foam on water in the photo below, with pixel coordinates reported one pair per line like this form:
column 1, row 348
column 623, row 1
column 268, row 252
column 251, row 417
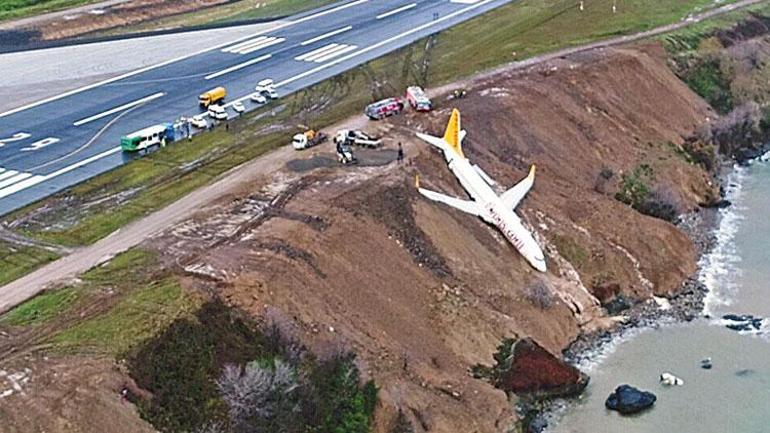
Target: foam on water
column 740, row 375
column 719, row 267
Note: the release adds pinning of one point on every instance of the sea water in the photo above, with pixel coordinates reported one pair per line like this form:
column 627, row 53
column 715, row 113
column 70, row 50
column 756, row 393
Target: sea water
column 734, row 395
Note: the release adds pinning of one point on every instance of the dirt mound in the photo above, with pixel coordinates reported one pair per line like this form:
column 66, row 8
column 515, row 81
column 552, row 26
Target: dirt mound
column 69, row 394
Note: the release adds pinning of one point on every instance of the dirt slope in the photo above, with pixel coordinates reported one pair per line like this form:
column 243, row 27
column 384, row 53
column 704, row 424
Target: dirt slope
column 354, row 257
column 68, row 394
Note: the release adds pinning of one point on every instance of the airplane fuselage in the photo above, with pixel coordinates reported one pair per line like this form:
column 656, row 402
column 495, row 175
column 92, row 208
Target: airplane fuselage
column 495, row 212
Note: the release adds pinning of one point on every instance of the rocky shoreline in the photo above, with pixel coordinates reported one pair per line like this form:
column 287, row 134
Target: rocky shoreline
column 684, row 306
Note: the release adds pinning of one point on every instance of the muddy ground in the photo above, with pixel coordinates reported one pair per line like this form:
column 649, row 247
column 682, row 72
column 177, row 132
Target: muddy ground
column 353, row 256
column 422, row 292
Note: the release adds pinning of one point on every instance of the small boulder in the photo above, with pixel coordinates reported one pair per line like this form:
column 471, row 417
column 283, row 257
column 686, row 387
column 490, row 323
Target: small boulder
column 605, row 292
column 669, row 379
column 742, row 322
column 628, row 400
column 716, row 204
column 533, row 372
column 617, row 305
column 740, row 327
column 706, row 364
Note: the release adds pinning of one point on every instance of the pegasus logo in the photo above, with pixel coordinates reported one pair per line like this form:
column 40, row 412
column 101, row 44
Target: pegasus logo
column 499, row 221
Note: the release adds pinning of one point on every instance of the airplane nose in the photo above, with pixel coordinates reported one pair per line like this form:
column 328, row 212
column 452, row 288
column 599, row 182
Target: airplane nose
column 539, row 265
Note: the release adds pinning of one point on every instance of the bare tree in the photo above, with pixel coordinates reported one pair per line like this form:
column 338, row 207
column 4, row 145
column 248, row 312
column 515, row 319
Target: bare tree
column 260, row 398
column 212, row 427
column 539, row 294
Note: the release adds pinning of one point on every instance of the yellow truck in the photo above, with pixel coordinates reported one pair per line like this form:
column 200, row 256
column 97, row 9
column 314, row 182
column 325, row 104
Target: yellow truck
column 211, row 97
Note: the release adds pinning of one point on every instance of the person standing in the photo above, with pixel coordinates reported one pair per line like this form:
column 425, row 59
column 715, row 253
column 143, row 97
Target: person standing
column 400, row 152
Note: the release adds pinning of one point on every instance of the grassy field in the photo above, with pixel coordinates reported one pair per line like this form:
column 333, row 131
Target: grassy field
column 690, row 38
column 530, row 27
column 41, row 308
column 223, row 14
column 526, row 28
column 122, row 306
column 133, row 190
column 138, row 316
column 16, row 261
column 228, row 12
column 12, row 9
column 114, row 306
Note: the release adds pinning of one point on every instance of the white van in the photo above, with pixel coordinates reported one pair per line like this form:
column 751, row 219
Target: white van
column 217, row 112
column 267, row 86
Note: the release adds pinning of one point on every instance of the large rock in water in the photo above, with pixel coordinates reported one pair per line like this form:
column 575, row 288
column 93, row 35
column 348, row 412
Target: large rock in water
column 533, row 372
column 627, row 400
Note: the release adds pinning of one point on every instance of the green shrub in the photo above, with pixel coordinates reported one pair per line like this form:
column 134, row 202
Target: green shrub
column 707, row 80
column 221, row 372
column 634, row 187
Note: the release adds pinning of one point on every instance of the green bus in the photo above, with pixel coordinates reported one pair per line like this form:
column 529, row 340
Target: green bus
column 150, row 136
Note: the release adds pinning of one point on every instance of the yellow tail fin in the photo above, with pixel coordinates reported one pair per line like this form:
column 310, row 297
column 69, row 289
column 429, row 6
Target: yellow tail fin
column 452, row 134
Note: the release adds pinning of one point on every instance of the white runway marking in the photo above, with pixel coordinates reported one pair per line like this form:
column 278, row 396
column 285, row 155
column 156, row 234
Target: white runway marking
column 16, row 137
column 316, row 52
column 464, row 2
column 253, row 45
column 178, row 59
column 24, row 180
column 326, row 35
column 325, row 53
column 18, row 186
column 381, row 43
column 243, row 44
column 118, row 109
column 338, row 52
column 40, row 144
column 6, row 174
column 13, row 179
column 395, row 11
column 238, row 66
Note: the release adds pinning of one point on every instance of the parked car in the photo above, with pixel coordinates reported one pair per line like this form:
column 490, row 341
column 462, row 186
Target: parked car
column 217, row 112
column 386, row 107
column 267, row 86
column 238, row 107
column 199, row 121
column 258, row 98
column 418, row 99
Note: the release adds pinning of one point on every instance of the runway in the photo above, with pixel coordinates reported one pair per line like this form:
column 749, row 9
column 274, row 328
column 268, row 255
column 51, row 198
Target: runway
column 51, row 144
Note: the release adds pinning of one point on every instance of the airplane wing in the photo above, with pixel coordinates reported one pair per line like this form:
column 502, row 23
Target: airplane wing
column 513, row 196
column 464, row 205
column 438, row 142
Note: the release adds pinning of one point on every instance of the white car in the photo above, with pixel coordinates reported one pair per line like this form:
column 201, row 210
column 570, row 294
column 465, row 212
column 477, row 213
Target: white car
column 271, row 93
column 199, row 121
column 238, row 107
column 217, row 112
column 267, row 86
column 258, row 98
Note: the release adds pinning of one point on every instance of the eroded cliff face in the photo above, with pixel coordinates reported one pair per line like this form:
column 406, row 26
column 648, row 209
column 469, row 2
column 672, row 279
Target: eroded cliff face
column 421, row 292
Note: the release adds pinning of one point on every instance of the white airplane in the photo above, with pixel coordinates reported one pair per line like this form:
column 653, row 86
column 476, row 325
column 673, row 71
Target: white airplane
column 486, row 204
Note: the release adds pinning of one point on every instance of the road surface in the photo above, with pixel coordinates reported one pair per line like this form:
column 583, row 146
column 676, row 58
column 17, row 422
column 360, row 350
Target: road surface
column 57, row 142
